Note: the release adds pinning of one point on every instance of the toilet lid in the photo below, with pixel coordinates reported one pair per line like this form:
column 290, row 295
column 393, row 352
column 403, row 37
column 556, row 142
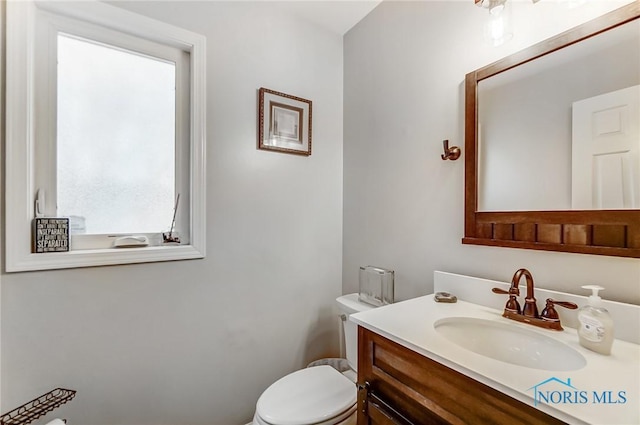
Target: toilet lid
column 308, row 396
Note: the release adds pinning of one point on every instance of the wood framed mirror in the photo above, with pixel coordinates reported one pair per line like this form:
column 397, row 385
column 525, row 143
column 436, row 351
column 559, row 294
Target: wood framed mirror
column 500, row 209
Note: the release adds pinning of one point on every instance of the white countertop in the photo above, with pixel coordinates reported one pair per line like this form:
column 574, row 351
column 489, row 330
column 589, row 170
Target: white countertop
column 410, row 324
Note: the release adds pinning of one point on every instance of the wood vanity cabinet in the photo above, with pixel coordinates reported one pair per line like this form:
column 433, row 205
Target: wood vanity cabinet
column 397, row 386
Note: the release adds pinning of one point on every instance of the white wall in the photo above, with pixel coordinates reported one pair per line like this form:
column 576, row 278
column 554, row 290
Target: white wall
column 196, row 342
column 2, row 65
column 405, row 65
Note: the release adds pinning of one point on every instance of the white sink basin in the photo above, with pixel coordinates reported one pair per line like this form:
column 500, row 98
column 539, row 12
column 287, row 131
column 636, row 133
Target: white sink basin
column 511, row 344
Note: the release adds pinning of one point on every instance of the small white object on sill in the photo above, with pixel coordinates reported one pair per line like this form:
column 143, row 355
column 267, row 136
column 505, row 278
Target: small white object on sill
column 131, row 242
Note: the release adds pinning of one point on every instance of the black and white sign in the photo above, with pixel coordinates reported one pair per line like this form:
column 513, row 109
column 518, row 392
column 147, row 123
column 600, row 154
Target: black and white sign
column 50, row 234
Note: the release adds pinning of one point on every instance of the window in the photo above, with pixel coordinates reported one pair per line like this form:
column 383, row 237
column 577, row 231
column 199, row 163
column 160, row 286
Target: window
column 115, row 137
column 114, row 179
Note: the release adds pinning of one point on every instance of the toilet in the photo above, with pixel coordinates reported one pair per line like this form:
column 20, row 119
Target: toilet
column 318, row 395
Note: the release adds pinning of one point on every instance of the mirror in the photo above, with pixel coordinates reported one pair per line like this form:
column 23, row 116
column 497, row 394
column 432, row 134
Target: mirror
column 543, row 104
column 552, row 143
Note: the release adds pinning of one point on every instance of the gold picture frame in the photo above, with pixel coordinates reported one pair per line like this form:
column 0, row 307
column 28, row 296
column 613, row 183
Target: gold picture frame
column 284, row 122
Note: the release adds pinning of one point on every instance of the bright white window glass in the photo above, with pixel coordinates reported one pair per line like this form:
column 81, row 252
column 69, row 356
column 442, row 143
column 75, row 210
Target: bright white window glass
column 115, row 137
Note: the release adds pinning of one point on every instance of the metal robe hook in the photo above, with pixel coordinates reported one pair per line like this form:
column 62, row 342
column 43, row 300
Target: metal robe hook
column 451, row 153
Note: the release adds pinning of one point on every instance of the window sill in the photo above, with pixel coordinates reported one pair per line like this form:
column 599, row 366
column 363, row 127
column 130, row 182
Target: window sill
column 103, row 257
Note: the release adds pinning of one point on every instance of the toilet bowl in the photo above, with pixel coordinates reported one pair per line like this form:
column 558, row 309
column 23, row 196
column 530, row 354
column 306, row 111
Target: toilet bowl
column 318, row 395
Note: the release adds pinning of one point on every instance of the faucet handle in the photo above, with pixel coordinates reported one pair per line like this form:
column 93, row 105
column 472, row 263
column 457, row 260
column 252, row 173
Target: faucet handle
column 565, row 304
column 512, row 291
column 549, row 313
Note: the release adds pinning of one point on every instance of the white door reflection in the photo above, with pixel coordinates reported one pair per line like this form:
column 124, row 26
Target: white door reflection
column 606, row 151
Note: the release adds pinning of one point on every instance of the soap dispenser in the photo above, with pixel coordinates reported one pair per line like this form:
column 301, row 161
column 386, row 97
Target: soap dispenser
column 596, row 325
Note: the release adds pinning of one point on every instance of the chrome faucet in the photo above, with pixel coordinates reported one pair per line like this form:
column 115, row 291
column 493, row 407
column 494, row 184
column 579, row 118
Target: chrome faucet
column 548, row 319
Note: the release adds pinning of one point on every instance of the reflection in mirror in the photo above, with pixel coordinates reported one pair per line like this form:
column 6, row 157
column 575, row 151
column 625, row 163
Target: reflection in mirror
column 562, row 132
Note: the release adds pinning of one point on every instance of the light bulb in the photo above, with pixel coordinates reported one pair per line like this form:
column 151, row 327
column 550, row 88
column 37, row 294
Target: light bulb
column 497, row 29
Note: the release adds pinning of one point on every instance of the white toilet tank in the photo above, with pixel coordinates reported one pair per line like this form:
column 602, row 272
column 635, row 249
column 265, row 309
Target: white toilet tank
column 348, row 305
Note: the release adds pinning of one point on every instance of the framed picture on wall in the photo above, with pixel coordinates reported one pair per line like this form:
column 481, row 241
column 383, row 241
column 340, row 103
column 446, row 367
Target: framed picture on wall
column 284, row 123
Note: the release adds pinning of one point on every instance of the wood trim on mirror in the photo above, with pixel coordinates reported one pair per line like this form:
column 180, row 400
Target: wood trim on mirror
column 600, row 232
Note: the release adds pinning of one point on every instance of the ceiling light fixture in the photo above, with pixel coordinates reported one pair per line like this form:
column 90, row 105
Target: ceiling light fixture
column 498, row 28
column 492, row 4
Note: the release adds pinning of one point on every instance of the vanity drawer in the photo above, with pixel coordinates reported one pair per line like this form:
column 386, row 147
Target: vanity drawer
column 399, row 386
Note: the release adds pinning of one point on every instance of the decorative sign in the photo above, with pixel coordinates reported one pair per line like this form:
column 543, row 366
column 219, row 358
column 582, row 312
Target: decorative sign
column 50, row 234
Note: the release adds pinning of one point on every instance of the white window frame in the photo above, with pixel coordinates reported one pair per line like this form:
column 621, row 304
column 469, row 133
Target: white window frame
column 22, row 143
